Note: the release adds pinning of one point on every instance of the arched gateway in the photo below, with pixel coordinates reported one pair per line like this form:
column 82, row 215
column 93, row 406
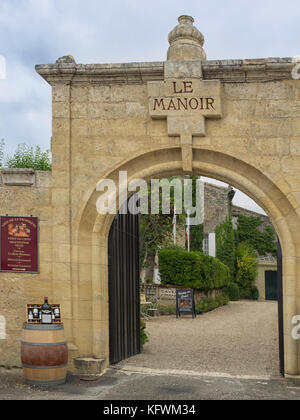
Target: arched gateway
column 235, row 120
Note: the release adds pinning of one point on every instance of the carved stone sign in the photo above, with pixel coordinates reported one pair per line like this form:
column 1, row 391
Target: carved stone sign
column 185, row 103
column 179, row 97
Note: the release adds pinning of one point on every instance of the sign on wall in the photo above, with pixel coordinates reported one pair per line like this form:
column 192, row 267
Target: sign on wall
column 185, row 302
column 19, row 244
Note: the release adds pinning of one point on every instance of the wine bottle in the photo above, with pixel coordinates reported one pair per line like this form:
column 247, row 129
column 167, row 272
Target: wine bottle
column 46, row 312
column 30, row 315
column 35, row 312
column 56, row 313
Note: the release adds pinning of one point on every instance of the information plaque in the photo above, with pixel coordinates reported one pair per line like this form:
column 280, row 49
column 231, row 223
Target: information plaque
column 19, row 244
column 185, row 302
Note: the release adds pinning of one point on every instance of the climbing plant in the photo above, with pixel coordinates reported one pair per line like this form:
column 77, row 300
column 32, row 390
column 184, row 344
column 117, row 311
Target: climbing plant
column 249, row 231
column 246, row 261
column 225, row 245
column 197, row 235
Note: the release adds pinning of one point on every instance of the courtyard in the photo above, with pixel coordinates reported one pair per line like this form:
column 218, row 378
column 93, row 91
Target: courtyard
column 240, row 339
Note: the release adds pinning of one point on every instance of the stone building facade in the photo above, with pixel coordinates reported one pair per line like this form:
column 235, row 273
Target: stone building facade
column 234, row 120
column 216, row 206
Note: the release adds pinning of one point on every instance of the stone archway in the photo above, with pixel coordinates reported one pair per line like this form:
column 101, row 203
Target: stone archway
column 234, row 120
column 94, row 230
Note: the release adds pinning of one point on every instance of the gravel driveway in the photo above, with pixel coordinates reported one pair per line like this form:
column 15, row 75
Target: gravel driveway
column 238, row 339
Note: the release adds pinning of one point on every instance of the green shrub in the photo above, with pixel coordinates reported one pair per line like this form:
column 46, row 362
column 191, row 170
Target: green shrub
column 254, row 293
column 232, row 290
column 246, row 266
column 251, row 293
column 28, row 157
column 209, row 304
column 166, row 309
column 192, row 270
column 143, row 333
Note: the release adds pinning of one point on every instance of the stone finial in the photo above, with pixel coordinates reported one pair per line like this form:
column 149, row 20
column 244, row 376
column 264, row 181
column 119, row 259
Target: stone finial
column 68, row 59
column 186, row 41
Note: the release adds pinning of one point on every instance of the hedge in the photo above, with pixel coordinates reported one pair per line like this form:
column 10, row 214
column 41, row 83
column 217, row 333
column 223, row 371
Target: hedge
column 232, row 290
column 208, row 305
column 192, row 269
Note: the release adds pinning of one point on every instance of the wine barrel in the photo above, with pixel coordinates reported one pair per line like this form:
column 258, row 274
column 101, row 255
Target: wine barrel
column 44, row 354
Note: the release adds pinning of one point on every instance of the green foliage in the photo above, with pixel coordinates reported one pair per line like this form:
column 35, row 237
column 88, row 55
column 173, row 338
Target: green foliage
column 232, row 290
column 225, row 245
column 264, row 242
column 246, row 266
column 143, row 333
column 208, row 304
column 166, row 309
column 192, row 269
column 249, row 293
column 28, row 157
column 254, row 295
column 196, row 235
column 2, row 144
column 156, row 229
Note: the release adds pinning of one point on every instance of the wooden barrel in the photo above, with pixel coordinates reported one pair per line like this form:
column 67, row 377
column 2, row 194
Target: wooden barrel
column 44, row 354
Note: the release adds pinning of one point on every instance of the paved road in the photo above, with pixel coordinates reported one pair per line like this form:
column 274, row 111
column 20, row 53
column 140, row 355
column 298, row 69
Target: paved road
column 124, row 385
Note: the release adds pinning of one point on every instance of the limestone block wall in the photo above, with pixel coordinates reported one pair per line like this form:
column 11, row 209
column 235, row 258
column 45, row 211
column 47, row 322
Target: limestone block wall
column 102, row 125
column 17, row 289
column 215, row 206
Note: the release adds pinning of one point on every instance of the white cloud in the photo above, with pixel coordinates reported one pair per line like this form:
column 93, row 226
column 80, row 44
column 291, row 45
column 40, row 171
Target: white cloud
column 39, row 31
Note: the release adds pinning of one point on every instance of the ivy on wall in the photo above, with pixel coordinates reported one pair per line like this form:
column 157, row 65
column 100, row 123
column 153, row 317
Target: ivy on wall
column 262, row 240
column 225, row 245
column 197, row 235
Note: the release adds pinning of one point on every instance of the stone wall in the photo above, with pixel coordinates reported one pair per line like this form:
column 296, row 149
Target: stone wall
column 166, row 294
column 17, row 289
column 215, row 206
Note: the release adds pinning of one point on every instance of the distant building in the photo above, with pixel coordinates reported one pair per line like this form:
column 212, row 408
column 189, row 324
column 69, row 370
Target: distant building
column 216, row 204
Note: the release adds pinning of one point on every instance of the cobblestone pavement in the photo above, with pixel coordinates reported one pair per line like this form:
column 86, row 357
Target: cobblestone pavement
column 238, row 339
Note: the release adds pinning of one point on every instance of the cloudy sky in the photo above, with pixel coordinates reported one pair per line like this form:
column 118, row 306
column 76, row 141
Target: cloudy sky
column 97, row 31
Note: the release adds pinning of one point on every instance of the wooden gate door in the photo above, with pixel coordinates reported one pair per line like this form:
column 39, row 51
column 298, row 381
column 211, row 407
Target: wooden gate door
column 124, row 288
column 271, row 285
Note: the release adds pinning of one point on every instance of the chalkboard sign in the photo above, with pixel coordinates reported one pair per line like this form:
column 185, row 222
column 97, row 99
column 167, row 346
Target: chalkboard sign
column 185, row 302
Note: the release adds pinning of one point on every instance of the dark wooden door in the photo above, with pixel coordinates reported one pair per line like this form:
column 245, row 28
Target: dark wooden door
column 124, row 288
column 271, row 285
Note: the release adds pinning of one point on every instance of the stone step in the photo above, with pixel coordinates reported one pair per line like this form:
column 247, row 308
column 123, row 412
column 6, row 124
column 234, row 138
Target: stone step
column 89, row 365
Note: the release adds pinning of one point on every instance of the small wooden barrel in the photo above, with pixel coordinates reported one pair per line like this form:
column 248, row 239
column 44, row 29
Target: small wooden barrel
column 44, row 354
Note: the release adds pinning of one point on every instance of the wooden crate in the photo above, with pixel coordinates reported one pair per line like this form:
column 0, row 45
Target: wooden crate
column 39, row 306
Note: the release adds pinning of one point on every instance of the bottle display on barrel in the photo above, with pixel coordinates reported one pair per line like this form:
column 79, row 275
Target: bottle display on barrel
column 46, row 312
